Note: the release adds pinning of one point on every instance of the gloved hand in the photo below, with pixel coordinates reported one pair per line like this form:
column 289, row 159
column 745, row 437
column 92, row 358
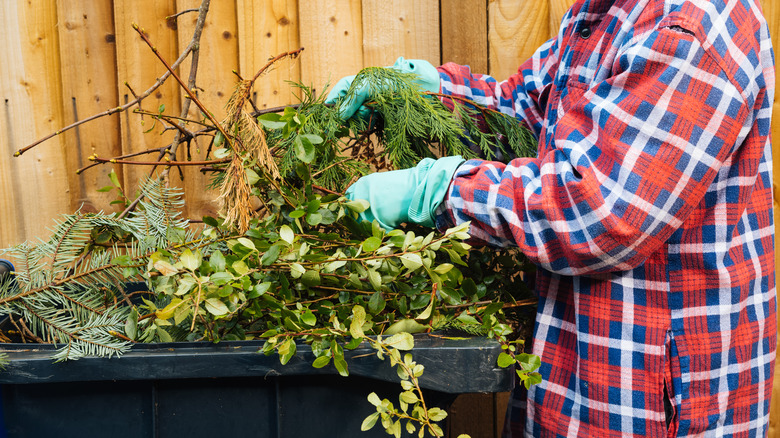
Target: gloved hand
column 428, row 79
column 409, row 195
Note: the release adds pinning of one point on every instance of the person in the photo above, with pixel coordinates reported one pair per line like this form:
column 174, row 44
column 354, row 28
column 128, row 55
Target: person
column 648, row 211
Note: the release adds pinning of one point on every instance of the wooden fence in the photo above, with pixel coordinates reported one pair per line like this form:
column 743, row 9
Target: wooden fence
column 70, row 59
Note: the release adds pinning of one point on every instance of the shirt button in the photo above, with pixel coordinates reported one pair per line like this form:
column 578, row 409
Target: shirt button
column 585, row 33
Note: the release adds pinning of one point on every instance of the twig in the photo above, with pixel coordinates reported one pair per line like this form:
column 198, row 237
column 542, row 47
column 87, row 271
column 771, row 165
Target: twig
column 167, row 162
column 291, row 53
column 120, row 336
column 186, row 11
column 29, row 333
column 323, row 189
column 122, row 157
column 18, row 329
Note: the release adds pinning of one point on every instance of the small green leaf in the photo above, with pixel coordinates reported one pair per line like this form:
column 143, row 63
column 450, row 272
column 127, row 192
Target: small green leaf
column 321, row 362
column 271, row 121
column 210, row 221
column 304, row 149
column 308, row 318
column 165, row 268
column 411, row 261
column 427, row 312
column 219, row 138
column 443, row 268
column 247, row 243
column 409, row 397
column 358, row 319
column 296, row 270
column 405, row 325
column 240, row 267
column 191, row 261
column 313, row 138
column 376, row 303
column 375, row 279
column 222, row 153
column 286, row 233
column 286, row 351
column 437, row 414
column 131, row 325
column 114, row 179
column 314, row 219
column 311, row 278
column 374, row 399
column 505, row 360
column 370, row 421
column 252, row 176
column 216, row 307
column 164, row 336
column 358, row 205
column 340, row 364
column 271, row 255
column 402, row 341
column 259, row 289
column 217, row 261
column 371, row 244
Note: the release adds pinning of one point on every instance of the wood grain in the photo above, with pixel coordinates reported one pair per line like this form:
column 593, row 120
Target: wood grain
column 464, row 36
column 516, row 29
column 34, row 186
column 89, row 86
column 408, row 28
column 332, row 33
column 267, row 28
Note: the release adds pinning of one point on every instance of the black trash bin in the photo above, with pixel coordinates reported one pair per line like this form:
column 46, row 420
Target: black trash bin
column 227, row 389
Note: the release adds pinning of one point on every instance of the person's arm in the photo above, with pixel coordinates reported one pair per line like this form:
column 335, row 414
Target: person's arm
column 628, row 163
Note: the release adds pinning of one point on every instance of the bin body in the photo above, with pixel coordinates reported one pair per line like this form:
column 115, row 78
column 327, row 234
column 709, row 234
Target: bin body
column 227, row 389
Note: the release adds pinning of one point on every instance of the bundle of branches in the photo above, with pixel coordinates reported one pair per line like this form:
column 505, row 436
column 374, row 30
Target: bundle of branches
column 288, row 260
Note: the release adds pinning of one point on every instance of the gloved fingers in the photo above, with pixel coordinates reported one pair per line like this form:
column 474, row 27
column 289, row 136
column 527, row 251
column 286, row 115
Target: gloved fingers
column 339, row 90
column 355, row 101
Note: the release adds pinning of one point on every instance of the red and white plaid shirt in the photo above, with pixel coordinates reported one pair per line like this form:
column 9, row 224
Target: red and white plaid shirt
column 648, row 211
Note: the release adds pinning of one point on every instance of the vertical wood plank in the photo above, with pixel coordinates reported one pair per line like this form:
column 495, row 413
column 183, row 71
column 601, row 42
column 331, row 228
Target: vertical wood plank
column 89, row 86
column 139, row 68
column 408, row 28
column 33, row 187
column 218, row 58
column 464, row 35
column 516, row 29
column 332, row 33
column 267, row 28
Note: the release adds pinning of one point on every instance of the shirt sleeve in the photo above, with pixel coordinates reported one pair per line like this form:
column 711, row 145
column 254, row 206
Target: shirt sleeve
column 628, row 161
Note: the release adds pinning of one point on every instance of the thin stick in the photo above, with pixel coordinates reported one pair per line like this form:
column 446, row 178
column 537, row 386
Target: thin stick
column 166, row 162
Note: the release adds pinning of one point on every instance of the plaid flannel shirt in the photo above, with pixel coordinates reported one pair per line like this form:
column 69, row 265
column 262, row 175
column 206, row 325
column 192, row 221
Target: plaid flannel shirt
column 648, row 211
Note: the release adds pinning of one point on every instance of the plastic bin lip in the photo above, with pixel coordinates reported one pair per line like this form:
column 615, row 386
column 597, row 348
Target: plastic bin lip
column 463, row 365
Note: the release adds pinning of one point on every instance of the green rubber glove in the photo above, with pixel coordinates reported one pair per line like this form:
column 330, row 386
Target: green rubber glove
column 428, row 79
column 409, row 195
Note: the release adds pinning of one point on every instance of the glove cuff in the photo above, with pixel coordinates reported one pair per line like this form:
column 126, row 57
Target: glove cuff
column 433, row 184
